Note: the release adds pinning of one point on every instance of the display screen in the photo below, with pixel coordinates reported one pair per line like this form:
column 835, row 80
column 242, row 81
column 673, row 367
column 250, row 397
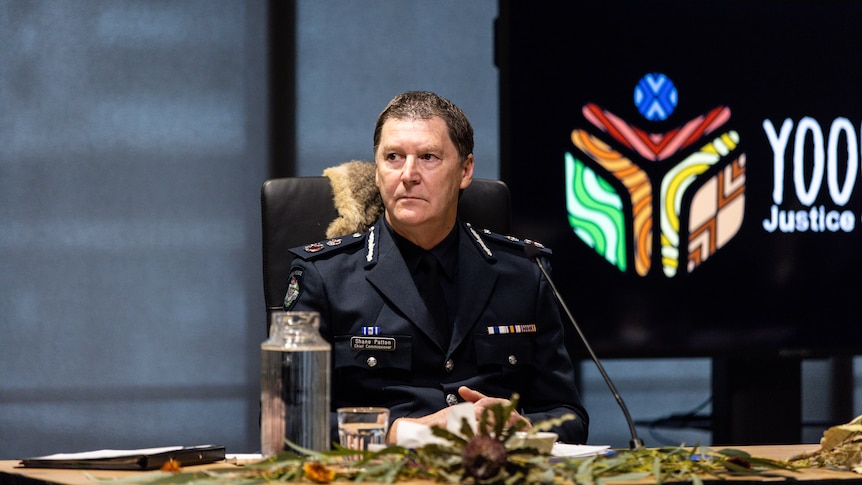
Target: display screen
column 694, row 167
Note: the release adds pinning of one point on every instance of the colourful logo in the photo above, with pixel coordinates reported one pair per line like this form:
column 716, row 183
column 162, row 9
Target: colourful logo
column 629, row 190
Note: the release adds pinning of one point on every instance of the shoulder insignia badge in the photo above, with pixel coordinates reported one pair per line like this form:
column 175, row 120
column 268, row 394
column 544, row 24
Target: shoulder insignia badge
column 505, row 240
column 327, row 246
column 313, row 248
column 293, row 286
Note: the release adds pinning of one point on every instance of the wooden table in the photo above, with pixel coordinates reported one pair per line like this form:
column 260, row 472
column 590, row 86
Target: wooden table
column 12, row 473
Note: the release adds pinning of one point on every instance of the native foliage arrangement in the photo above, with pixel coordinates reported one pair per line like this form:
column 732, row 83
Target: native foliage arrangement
column 480, row 457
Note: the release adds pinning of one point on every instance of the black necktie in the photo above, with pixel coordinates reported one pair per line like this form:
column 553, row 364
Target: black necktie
column 432, row 292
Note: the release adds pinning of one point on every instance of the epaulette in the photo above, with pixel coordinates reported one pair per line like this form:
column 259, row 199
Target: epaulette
column 483, row 235
column 327, row 246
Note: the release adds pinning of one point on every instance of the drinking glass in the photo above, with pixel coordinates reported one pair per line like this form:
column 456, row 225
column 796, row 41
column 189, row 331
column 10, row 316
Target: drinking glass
column 359, row 427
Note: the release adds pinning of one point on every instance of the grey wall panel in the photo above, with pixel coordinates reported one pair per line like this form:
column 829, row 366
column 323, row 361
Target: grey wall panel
column 133, row 142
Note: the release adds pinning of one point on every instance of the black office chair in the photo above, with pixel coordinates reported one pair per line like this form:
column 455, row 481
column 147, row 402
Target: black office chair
column 298, row 210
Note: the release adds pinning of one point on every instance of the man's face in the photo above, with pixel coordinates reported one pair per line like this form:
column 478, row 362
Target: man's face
column 419, row 177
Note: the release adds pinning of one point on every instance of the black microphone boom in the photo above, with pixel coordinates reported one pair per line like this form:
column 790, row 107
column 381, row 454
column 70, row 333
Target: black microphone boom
column 533, row 253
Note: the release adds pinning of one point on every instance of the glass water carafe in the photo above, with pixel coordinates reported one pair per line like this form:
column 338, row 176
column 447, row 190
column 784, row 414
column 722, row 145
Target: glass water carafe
column 295, row 374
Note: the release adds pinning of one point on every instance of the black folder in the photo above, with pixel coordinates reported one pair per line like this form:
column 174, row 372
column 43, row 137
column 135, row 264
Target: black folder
column 143, row 459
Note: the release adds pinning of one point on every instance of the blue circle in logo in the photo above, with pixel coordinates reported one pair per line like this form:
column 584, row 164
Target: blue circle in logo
column 656, row 96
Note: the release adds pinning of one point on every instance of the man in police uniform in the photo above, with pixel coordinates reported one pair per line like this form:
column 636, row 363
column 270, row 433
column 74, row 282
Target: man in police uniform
column 494, row 328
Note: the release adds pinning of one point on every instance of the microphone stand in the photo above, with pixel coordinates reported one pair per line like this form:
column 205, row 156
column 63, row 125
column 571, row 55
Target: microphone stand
column 533, row 253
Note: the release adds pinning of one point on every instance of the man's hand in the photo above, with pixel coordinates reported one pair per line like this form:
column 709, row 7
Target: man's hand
column 440, row 418
column 481, row 402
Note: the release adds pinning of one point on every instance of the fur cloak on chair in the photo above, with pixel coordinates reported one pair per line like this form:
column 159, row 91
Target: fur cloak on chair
column 356, row 197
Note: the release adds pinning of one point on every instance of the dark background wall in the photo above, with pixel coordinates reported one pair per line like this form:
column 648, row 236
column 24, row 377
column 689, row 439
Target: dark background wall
column 134, row 137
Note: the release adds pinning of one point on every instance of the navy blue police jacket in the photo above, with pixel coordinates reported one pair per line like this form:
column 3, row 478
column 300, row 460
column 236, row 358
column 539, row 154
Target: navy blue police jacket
column 507, row 336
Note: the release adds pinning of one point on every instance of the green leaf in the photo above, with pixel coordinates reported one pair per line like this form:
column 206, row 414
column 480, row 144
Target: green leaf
column 466, row 429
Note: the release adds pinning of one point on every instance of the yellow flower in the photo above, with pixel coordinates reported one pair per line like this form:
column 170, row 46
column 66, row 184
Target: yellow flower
column 317, row 472
column 171, row 465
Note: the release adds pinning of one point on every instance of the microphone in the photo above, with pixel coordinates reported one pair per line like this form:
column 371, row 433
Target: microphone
column 533, row 253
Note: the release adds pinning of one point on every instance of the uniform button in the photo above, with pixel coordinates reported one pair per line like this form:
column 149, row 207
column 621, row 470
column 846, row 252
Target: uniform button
column 371, row 361
column 513, row 360
column 451, row 399
column 450, row 364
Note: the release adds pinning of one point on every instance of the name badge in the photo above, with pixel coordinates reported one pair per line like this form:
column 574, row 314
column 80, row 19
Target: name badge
column 372, row 343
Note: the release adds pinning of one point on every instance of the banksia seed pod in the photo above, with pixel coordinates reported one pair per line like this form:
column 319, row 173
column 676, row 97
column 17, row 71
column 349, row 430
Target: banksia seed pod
column 483, row 457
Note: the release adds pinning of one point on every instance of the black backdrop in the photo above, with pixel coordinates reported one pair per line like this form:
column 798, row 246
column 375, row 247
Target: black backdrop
column 763, row 293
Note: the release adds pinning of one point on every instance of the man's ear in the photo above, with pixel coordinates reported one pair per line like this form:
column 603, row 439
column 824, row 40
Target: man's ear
column 467, row 175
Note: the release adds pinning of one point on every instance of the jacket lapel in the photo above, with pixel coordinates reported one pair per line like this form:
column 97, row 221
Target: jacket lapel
column 389, row 274
column 477, row 279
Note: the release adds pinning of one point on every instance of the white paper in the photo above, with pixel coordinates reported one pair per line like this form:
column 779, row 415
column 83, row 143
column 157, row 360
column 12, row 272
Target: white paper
column 101, row 454
column 243, row 458
column 565, row 450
